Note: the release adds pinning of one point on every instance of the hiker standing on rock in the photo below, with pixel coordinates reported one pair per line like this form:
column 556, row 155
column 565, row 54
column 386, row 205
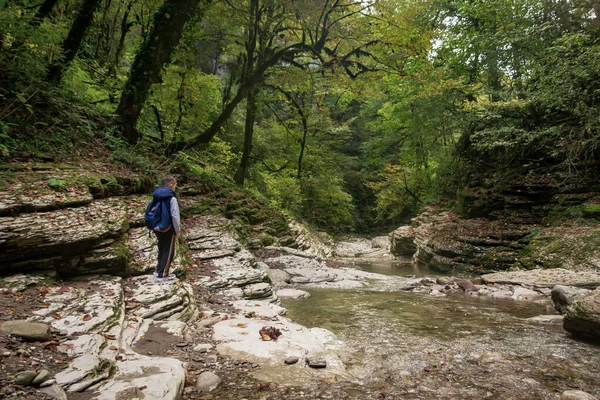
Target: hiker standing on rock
column 162, row 217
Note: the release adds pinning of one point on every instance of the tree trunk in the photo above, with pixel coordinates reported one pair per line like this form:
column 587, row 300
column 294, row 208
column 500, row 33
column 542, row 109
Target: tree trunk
column 153, row 55
column 240, row 175
column 42, row 12
column 71, row 44
column 125, row 27
column 302, row 143
column 159, row 123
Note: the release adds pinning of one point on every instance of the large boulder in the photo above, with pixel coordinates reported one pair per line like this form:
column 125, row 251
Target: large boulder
column 583, row 317
column 564, row 297
column 447, row 242
column 403, row 242
column 87, row 238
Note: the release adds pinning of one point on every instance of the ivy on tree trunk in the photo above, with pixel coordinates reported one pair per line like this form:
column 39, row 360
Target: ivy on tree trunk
column 156, row 51
column 71, row 44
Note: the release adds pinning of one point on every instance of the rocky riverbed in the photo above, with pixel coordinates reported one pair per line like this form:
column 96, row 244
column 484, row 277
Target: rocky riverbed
column 83, row 317
column 108, row 336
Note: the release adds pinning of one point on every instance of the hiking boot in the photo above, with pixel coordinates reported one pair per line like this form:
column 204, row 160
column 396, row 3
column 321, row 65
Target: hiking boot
column 166, row 278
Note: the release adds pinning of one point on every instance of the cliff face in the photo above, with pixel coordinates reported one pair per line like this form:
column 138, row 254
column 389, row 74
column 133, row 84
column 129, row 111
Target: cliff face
column 534, row 226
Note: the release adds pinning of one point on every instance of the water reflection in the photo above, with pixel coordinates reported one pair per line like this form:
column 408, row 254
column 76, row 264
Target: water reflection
column 448, row 317
column 399, row 267
column 464, row 346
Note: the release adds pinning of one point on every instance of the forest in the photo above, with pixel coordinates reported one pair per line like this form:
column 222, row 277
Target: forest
column 349, row 115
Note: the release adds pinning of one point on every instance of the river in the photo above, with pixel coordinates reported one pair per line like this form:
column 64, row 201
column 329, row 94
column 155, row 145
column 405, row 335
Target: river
column 451, row 347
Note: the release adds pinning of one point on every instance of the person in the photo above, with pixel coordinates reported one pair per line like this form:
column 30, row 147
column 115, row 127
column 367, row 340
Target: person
column 166, row 237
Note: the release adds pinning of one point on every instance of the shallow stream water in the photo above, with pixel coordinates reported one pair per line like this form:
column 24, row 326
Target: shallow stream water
column 460, row 346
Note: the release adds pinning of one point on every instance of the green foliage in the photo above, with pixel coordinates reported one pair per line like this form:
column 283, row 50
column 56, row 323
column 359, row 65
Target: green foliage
column 57, row 184
column 187, row 101
column 79, row 84
column 326, row 203
column 284, row 192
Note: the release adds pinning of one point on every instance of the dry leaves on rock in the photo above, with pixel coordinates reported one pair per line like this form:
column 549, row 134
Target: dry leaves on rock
column 269, row 333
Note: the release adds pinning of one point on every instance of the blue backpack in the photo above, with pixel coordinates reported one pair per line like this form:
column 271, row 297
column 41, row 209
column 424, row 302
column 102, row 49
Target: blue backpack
column 158, row 215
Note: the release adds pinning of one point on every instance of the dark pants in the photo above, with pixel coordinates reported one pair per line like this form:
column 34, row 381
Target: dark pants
column 166, row 251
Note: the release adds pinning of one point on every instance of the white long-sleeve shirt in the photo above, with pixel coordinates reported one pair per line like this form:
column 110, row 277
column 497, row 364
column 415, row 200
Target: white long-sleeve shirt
column 175, row 217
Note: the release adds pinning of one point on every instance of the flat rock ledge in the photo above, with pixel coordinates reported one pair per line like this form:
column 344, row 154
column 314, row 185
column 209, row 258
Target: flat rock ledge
column 240, row 339
column 545, row 278
column 235, row 272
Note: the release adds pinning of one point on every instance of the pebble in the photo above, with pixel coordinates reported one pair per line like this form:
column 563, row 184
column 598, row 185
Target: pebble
column 211, row 359
column 203, row 347
column 24, row 378
column 6, row 354
column 207, row 382
column 41, row 377
column 576, row 395
column 49, row 382
column 291, row 360
column 316, row 362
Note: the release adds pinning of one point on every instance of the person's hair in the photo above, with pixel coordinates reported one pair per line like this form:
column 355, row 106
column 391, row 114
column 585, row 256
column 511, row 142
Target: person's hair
column 168, row 180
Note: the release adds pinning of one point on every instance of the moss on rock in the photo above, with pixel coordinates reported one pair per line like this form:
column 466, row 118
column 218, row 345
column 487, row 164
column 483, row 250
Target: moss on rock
column 576, row 248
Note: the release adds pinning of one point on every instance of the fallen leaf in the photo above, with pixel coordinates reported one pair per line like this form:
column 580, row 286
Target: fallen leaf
column 240, row 325
column 110, row 337
column 86, row 317
column 113, row 347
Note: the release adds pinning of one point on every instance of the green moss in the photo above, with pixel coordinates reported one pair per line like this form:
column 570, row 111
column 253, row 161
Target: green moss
column 470, row 204
column 561, row 251
column 57, row 184
column 582, row 214
column 266, row 239
column 591, row 211
column 579, row 311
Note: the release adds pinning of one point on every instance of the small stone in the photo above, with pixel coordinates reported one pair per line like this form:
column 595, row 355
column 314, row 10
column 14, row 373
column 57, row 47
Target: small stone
column 6, row 354
column 49, row 382
column 24, row 378
column 182, row 344
column 41, row 377
column 212, row 359
column 491, row 357
column 466, row 285
column 315, row 362
column 33, row 331
column 207, row 382
column 443, row 280
column 203, row 347
column 576, row 395
column 291, row 360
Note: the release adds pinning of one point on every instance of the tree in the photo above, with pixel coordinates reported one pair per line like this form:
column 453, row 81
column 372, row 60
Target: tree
column 155, row 52
column 71, row 44
column 297, row 34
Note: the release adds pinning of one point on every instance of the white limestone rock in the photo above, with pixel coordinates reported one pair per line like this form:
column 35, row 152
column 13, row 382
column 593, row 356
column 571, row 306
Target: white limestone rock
column 146, row 377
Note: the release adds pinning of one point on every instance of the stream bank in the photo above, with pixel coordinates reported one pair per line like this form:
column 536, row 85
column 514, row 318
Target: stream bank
column 79, row 266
